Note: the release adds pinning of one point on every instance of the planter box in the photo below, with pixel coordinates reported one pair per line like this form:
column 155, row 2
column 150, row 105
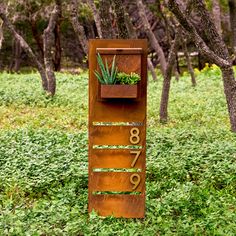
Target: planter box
column 119, row 91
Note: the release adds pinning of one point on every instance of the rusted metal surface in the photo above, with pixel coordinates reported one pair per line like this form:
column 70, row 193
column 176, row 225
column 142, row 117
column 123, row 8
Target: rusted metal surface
column 119, row 91
column 115, row 135
column 128, row 206
column 117, row 158
column 131, row 56
column 115, row 181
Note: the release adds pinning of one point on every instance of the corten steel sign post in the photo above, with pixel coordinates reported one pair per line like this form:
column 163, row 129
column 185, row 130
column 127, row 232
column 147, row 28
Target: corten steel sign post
column 117, row 132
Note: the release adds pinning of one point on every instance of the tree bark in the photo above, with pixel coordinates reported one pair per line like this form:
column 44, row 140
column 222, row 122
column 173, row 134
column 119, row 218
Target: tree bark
column 37, row 37
column 167, row 78
column 152, row 69
column 120, row 19
column 176, row 72
column 189, row 63
column 17, row 56
column 78, row 28
column 106, row 21
column 217, row 15
column 232, row 14
column 152, row 38
column 24, row 46
column 57, row 57
column 96, row 16
column 1, row 33
column 216, row 52
column 48, row 44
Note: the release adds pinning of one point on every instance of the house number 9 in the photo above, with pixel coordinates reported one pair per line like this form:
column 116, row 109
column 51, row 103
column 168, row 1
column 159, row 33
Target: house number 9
column 135, row 180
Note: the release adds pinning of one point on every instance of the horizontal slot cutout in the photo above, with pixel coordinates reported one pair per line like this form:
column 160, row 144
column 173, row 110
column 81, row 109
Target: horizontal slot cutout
column 116, row 147
column 116, row 192
column 130, row 170
column 125, row 51
column 118, row 123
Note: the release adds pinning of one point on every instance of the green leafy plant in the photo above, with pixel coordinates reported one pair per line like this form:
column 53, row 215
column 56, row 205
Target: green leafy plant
column 123, row 78
column 106, row 76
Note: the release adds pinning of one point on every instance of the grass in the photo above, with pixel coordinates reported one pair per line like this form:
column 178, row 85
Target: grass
column 191, row 168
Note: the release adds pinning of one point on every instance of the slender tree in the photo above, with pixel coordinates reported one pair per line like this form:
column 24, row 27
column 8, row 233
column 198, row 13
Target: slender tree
column 217, row 15
column 24, row 46
column 106, row 21
column 48, row 43
column 152, row 38
column 232, row 15
column 170, row 66
column 167, row 78
column 189, row 63
column 78, row 28
column 1, row 33
column 214, row 49
column 97, row 18
column 16, row 53
column 120, row 19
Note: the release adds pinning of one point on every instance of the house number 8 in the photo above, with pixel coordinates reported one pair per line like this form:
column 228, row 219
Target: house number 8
column 134, row 136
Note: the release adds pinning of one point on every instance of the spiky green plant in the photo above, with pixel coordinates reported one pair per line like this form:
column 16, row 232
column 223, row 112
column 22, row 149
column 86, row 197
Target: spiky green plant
column 106, row 76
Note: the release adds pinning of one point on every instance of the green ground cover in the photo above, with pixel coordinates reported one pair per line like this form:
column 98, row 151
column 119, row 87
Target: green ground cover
column 191, row 167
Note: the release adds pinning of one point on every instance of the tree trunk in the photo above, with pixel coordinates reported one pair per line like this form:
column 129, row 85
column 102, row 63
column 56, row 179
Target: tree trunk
column 78, row 28
column 120, row 19
column 167, row 79
column 48, row 44
column 96, row 16
column 232, row 14
column 152, row 38
column 172, row 62
column 230, row 92
column 176, row 73
column 106, row 21
column 189, row 63
column 1, row 33
column 24, row 46
column 37, row 37
column 57, row 57
column 217, row 15
column 216, row 52
column 152, row 69
column 17, row 56
column 219, row 48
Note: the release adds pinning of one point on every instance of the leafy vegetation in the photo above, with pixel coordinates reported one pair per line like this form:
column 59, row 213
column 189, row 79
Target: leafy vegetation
column 191, row 181
column 123, row 78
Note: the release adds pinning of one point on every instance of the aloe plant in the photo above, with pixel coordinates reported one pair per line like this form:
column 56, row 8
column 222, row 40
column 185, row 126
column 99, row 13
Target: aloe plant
column 106, row 76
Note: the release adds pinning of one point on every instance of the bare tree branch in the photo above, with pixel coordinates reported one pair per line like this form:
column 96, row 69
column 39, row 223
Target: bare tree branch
column 200, row 44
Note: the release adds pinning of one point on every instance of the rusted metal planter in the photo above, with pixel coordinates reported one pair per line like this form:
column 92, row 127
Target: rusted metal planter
column 119, row 91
